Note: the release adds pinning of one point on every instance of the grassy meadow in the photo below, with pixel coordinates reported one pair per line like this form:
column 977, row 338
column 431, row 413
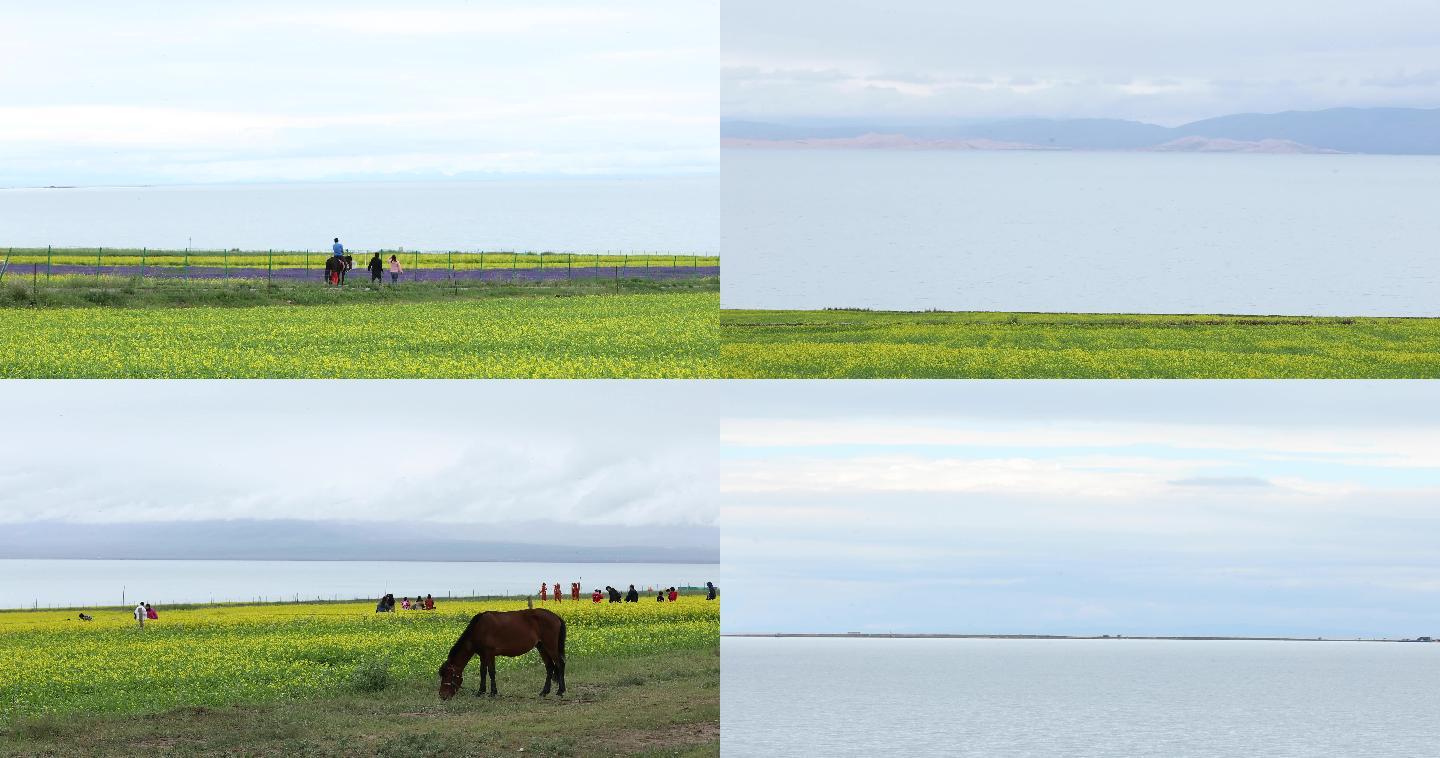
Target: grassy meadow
column 873, row 344
column 339, row 679
column 126, row 328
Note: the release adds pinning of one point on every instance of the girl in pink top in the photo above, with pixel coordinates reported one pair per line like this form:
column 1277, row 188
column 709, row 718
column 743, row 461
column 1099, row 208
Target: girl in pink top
column 394, row 269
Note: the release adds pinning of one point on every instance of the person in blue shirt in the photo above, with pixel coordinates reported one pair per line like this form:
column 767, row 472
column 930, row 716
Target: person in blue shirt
column 338, row 248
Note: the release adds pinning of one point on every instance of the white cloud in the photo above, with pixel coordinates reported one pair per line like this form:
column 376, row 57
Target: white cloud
column 1376, row 445
column 426, row 452
column 151, row 93
column 1159, row 62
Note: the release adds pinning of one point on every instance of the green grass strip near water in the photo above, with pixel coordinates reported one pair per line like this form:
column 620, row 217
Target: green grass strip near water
column 866, row 344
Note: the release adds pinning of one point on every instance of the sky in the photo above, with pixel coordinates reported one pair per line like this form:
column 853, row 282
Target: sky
column 577, row 454
column 1162, row 62
column 153, row 92
column 1164, row 508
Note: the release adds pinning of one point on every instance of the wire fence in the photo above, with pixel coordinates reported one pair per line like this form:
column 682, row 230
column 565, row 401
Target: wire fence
column 127, row 599
column 274, row 266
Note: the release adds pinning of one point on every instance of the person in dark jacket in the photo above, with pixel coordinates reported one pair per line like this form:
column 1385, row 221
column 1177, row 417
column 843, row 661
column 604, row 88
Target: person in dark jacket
column 377, row 268
column 632, row 596
column 710, row 591
column 614, row 593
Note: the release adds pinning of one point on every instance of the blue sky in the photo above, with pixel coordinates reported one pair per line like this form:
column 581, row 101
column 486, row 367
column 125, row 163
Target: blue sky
column 1271, row 508
column 1163, row 62
column 152, row 92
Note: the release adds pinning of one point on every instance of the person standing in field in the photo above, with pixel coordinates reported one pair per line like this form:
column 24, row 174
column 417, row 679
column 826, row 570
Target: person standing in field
column 674, row 594
column 140, row 615
column 394, row 269
column 558, row 596
column 544, row 592
column 376, row 268
column 337, row 249
column 632, row 596
column 710, row 590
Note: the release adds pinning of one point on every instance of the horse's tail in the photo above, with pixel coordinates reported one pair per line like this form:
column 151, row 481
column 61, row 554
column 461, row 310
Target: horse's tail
column 561, row 657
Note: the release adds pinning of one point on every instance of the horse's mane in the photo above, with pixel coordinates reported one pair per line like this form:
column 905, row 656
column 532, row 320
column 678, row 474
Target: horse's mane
column 464, row 640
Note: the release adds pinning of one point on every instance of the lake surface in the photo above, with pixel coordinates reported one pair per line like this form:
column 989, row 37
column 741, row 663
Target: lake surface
column 1082, row 232
column 669, row 214
column 66, row 583
column 1130, row 698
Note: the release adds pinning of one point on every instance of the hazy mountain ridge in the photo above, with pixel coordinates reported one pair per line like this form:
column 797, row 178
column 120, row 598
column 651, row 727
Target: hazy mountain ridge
column 1393, row 131
column 881, row 142
column 307, row 540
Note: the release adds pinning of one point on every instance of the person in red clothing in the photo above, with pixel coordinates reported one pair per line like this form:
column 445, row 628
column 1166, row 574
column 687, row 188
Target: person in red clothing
column 429, row 603
column 674, row 594
column 597, row 597
column 558, row 596
column 575, row 591
column 544, row 589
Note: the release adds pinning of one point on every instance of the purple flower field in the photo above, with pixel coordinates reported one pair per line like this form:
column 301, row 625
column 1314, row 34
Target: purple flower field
column 360, row 274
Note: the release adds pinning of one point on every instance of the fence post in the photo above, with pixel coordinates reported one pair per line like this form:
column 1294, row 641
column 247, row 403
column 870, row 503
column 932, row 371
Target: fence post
column 225, row 262
column 187, row 264
column 482, row 266
column 97, row 265
column 143, row 250
column 512, row 266
column 269, row 267
column 569, row 267
column 49, row 264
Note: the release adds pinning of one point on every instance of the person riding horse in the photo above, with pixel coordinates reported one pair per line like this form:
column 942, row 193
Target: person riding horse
column 336, row 266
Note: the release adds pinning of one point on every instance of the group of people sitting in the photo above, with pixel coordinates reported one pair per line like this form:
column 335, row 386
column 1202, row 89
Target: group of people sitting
column 669, row 594
column 387, row 604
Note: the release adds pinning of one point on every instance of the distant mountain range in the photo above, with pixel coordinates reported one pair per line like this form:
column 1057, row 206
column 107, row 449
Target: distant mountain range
column 537, row 542
column 1392, row 131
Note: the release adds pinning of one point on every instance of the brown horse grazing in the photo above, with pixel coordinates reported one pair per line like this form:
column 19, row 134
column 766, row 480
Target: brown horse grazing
column 508, row 633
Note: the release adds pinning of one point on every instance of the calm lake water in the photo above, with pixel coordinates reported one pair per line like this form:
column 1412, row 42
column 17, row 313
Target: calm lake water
column 64, row 583
column 1123, row 698
column 670, row 214
column 1082, row 232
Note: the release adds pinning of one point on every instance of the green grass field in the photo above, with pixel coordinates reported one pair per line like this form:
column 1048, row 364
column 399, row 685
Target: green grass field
column 582, row 329
column 339, row 679
column 866, row 344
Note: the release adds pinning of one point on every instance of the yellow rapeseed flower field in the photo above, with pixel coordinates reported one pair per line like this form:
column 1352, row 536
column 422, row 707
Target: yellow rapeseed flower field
column 214, row 655
column 611, row 336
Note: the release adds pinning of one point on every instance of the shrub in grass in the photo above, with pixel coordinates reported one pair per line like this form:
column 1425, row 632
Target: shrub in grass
column 371, row 676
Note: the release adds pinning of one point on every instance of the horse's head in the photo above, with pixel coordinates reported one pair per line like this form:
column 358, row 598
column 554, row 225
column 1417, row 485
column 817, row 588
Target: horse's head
column 450, row 680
